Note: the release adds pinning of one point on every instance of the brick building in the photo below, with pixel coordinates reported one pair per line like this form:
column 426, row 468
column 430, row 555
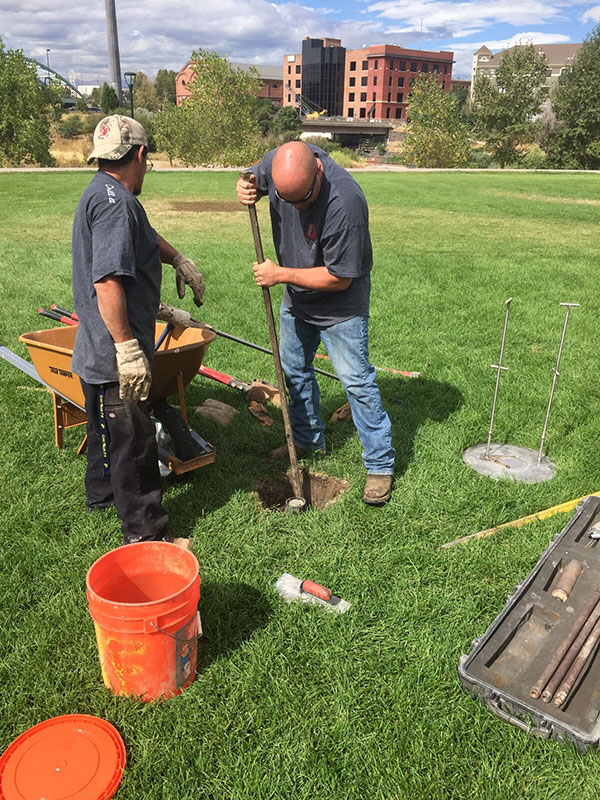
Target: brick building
column 270, row 76
column 369, row 83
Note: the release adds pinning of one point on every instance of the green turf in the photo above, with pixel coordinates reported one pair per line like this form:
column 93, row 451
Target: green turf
column 291, row 702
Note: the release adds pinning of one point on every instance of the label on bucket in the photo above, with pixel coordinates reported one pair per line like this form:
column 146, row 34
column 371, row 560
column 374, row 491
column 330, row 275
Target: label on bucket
column 186, row 645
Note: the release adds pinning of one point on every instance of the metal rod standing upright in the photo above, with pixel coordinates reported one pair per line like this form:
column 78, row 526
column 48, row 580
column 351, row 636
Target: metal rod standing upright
column 498, row 367
column 569, row 306
column 285, row 411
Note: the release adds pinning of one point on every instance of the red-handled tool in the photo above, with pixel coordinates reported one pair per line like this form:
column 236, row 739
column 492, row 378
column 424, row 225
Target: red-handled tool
column 56, row 317
column 65, row 312
column 293, row 589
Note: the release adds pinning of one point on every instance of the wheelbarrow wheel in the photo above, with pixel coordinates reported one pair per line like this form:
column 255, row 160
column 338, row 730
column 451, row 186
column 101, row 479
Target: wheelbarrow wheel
column 184, row 446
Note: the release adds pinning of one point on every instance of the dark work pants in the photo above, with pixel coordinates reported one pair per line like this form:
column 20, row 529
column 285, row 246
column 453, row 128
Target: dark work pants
column 134, row 483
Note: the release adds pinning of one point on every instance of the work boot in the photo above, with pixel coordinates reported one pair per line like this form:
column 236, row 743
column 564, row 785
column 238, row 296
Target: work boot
column 301, row 452
column 186, row 544
column 378, row 489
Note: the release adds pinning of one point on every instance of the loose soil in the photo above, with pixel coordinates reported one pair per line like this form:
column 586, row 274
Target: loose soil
column 207, row 206
column 320, row 491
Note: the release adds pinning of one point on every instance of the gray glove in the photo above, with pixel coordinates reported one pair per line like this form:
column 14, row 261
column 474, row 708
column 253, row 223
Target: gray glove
column 134, row 371
column 186, row 272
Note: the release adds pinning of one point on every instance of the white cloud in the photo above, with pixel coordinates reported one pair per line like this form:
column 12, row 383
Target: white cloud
column 591, row 15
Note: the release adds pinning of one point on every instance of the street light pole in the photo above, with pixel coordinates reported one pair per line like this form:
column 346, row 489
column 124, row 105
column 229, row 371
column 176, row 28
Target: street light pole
column 129, row 77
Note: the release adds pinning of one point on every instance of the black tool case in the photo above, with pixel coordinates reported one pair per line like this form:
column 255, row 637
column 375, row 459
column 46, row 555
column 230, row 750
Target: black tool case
column 508, row 659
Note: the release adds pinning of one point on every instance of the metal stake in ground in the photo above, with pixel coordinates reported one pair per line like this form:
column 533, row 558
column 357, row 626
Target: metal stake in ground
column 569, row 306
column 498, row 367
column 298, row 502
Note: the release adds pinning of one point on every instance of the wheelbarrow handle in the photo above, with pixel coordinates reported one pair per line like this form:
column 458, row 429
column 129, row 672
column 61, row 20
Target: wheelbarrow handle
column 65, row 312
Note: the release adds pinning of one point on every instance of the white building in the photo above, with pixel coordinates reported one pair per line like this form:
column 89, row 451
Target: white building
column 558, row 56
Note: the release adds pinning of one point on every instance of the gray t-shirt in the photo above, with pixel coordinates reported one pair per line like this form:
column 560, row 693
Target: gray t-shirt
column 112, row 236
column 333, row 232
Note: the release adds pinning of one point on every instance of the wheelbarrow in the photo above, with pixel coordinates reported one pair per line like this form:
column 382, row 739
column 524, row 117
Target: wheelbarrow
column 177, row 358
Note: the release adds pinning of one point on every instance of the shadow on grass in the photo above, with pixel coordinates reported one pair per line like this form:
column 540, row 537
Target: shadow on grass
column 231, row 613
column 410, row 402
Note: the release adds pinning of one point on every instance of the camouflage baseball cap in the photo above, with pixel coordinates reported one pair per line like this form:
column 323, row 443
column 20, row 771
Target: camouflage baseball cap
column 115, row 136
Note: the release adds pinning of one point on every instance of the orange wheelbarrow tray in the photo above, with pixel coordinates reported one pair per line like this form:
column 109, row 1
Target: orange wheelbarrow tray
column 176, row 363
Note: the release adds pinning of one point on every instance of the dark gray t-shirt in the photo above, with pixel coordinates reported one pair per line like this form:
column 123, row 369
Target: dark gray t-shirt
column 112, row 236
column 333, row 232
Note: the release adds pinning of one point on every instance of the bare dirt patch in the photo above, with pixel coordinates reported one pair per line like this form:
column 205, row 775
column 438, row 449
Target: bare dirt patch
column 207, row 206
column 320, row 491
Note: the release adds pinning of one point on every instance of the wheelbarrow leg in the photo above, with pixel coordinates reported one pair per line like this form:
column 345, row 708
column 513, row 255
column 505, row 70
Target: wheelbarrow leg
column 58, row 420
column 182, row 398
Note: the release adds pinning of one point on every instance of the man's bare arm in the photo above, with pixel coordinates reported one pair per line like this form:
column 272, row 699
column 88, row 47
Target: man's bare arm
column 318, row 278
column 113, row 308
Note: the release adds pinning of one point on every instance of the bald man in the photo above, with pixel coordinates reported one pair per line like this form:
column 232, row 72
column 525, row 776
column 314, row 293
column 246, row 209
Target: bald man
column 320, row 223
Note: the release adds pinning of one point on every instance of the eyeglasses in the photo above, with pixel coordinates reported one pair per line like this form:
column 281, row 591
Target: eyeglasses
column 306, row 197
column 149, row 165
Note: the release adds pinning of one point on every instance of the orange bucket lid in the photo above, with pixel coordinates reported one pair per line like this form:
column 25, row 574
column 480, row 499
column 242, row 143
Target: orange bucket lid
column 64, row 757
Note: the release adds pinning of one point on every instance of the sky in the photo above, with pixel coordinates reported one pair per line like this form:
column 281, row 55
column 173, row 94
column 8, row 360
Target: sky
column 157, row 34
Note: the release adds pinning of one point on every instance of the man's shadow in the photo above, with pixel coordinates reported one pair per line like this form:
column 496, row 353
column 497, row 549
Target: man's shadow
column 410, row 402
column 230, row 614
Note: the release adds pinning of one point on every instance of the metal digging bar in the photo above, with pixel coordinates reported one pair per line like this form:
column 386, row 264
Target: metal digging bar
column 499, row 367
column 298, row 502
column 569, row 306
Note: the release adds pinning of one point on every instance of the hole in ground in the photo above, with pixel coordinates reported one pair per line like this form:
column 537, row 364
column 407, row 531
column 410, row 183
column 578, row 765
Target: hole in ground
column 320, row 491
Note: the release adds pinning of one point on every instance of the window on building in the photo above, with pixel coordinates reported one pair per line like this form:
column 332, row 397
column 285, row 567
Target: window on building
column 424, row 67
column 413, row 66
column 352, row 82
column 445, row 69
column 411, row 82
column 548, row 73
column 391, row 63
column 363, row 97
column 374, row 97
column 297, row 84
column 363, row 80
column 376, row 64
column 375, row 81
column 273, row 86
column 351, row 97
column 398, row 113
column 362, row 113
column 436, row 68
column 402, row 66
column 400, row 97
column 365, row 65
column 387, row 113
column 400, row 82
column 289, row 70
column 298, row 68
column 289, row 98
column 350, row 112
column 563, row 71
column 390, row 81
column 352, row 66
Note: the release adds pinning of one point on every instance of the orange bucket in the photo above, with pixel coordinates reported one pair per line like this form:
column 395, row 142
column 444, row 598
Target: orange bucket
column 143, row 599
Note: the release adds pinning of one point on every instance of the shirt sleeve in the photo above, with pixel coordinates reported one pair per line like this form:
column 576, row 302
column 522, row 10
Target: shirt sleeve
column 112, row 239
column 262, row 170
column 343, row 252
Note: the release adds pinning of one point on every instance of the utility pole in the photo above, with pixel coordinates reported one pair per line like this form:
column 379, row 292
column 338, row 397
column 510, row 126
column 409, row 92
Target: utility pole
column 48, row 62
column 113, row 49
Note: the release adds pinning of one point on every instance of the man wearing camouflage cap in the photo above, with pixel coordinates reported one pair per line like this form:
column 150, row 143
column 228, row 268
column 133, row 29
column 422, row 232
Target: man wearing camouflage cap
column 117, row 272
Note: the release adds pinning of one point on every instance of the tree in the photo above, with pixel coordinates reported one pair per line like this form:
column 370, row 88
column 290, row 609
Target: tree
column 287, row 122
column 144, row 94
column 108, row 99
column 435, row 136
column 264, row 112
column 80, row 105
column 95, row 96
column 505, row 106
column 575, row 143
column 164, row 85
column 25, row 111
column 215, row 125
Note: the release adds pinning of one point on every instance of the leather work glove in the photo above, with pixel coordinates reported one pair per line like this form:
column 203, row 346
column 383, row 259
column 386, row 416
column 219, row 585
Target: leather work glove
column 187, row 272
column 134, row 371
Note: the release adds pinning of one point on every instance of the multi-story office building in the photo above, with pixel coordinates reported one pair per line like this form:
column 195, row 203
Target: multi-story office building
column 369, row 83
column 558, row 56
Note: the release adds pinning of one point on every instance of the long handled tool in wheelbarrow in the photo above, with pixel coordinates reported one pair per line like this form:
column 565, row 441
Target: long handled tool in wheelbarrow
column 298, row 502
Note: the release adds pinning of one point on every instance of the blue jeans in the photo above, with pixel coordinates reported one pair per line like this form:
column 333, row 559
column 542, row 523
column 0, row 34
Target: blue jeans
column 347, row 345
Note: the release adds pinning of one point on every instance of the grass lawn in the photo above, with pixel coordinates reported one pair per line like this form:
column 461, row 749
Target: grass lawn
column 289, row 701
